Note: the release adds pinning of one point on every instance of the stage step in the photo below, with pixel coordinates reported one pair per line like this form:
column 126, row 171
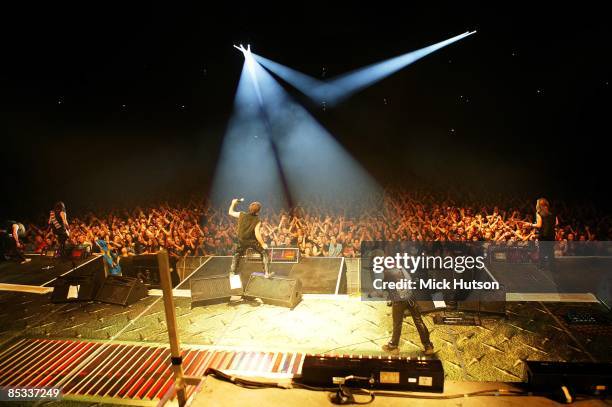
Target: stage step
column 99, row 371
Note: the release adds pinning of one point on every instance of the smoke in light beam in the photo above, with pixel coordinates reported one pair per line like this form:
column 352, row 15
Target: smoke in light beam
column 267, row 121
column 246, row 167
column 314, row 163
column 336, row 90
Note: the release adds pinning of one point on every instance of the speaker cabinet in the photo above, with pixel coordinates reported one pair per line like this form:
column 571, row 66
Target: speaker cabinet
column 121, row 290
column 75, row 288
column 284, row 292
column 145, row 268
column 211, row 290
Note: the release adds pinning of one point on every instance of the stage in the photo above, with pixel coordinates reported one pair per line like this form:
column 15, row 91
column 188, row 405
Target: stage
column 215, row 393
column 42, row 271
column 262, row 340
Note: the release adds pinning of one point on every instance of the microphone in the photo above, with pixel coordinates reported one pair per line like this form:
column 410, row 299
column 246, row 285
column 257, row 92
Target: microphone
column 240, row 199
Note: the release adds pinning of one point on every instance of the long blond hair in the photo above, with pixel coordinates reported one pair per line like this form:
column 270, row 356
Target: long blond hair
column 542, row 207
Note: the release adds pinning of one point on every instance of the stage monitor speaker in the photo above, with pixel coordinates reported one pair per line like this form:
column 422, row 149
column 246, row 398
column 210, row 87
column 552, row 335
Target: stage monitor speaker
column 578, row 377
column 121, row 290
column 211, row 290
column 145, row 268
column 284, row 292
column 75, row 288
column 392, row 373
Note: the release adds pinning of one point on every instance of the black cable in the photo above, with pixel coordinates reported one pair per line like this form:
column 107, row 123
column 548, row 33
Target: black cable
column 345, row 395
column 252, row 384
column 313, row 388
column 490, row 392
column 239, row 381
column 350, row 398
column 482, row 393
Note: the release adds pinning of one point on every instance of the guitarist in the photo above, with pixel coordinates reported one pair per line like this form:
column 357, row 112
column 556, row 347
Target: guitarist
column 58, row 222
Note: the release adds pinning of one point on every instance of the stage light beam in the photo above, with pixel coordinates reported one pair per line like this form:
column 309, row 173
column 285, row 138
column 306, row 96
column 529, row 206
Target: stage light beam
column 245, row 167
column 312, row 161
column 274, row 147
column 336, row 90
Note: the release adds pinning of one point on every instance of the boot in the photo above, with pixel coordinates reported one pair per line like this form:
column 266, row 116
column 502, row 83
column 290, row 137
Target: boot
column 390, row 347
column 235, row 261
column 429, row 349
column 266, row 265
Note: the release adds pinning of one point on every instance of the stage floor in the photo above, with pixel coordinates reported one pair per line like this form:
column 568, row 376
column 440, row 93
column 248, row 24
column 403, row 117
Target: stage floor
column 319, row 275
column 41, row 270
column 491, row 352
column 338, row 324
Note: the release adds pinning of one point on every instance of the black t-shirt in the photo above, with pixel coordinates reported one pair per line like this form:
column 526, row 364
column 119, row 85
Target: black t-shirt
column 547, row 231
column 246, row 226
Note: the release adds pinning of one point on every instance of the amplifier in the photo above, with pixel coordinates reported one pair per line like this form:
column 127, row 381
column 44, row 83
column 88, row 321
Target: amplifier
column 277, row 255
column 79, row 252
column 145, row 268
column 513, row 254
column 284, row 255
column 48, row 253
column 586, row 317
column 391, row 373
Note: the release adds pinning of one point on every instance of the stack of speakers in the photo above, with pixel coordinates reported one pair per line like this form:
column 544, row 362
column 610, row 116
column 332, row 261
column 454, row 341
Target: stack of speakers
column 76, row 288
column 280, row 291
column 145, row 268
column 94, row 286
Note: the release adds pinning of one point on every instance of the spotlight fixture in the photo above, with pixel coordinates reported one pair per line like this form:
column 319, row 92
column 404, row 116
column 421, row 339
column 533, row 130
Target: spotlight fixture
column 246, row 51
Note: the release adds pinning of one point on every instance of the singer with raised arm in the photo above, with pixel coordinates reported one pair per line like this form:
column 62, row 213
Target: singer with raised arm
column 249, row 235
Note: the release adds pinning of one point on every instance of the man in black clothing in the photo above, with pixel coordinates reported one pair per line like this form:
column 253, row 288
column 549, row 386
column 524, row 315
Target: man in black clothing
column 58, row 222
column 11, row 247
column 546, row 223
column 249, row 235
column 401, row 300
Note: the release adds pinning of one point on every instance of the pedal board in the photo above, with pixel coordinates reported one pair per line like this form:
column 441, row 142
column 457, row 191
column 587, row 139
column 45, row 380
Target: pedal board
column 459, row 320
column 585, row 317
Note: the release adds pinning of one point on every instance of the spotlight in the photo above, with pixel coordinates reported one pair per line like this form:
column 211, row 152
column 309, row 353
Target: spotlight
column 246, row 51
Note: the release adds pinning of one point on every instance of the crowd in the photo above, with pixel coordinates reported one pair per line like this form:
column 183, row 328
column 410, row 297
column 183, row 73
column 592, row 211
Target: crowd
column 321, row 227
